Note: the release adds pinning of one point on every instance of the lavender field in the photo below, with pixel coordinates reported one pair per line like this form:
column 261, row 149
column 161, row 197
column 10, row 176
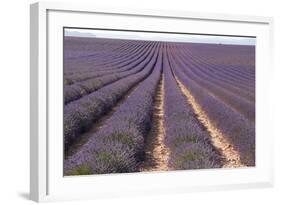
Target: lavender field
column 140, row 105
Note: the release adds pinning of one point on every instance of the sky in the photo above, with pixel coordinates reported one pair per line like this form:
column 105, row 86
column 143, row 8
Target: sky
column 160, row 36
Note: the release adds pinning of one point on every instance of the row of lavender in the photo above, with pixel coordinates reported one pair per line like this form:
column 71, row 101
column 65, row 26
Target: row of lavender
column 225, row 69
column 237, row 77
column 118, row 147
column 77, row 90
column 133, row 57
column 234, row 91
column 189, row 143
column 81, row 114
column 85, row 59
column 225, row 92
column 228, row 111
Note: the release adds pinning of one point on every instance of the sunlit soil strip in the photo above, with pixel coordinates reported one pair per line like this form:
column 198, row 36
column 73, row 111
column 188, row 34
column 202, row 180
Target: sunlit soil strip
column 156, row 153
column 230, row 156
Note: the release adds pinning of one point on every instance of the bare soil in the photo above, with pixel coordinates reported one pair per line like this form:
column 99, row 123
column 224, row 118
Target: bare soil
column 156, row 153
column 231, row 157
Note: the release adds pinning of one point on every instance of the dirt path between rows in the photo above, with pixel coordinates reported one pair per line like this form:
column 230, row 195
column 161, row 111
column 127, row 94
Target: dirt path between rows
column 156, row 153
column 231, row 157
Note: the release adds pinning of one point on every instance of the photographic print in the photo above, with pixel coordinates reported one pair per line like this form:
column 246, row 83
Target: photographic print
column 149, row 101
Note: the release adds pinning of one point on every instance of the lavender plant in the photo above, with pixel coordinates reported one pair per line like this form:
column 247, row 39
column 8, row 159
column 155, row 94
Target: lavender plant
column 189, row 143
column 77, row 90
column 239, row 130
column 79, row 115
column 97, row 71
column 119, row 145
column 238, row 103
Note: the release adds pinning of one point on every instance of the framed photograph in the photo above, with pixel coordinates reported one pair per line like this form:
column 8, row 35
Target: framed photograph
column 127, row 102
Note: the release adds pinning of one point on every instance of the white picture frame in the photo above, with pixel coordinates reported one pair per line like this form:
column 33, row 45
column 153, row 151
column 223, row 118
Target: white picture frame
column 46, row 178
